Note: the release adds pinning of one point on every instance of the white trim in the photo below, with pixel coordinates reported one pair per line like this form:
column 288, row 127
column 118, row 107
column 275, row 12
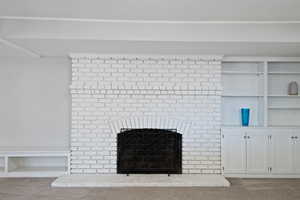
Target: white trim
column 262, row 128
column 98, row 38
column 141, row 21
column 143, row 56
column 228, row 175
column 261, row 175
column 20, row 48
column 259, row 59
column 266, row 92
column 38, row 173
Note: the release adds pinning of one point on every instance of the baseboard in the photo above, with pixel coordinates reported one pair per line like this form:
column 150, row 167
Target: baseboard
column 262, row 175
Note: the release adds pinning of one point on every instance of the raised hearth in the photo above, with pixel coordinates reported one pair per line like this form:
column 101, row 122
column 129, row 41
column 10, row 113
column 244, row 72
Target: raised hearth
column 141, row 180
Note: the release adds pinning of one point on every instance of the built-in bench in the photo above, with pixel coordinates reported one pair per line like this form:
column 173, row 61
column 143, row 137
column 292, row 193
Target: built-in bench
column 34, row 162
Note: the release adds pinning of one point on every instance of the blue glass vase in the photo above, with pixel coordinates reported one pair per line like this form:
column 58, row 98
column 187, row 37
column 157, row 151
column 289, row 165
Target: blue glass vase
column 245, row 116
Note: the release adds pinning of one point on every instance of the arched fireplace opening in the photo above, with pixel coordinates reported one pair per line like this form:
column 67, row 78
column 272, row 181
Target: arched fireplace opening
column 149, row 151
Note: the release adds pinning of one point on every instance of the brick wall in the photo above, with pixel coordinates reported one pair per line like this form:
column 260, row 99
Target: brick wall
column 113, row 92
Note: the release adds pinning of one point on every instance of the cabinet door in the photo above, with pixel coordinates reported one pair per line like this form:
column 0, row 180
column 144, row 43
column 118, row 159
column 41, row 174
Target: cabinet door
column 282, row 152
column 233, row 151
column 296, row 153
column 257, row 152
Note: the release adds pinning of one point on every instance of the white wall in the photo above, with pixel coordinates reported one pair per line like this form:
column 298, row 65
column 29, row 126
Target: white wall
column 34, row 102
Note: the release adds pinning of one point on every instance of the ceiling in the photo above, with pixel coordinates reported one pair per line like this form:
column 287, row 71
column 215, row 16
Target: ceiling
column 227, row 27
column 178, row 10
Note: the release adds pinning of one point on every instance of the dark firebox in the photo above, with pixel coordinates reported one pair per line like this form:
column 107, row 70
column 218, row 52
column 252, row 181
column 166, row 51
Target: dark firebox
column 149, row 151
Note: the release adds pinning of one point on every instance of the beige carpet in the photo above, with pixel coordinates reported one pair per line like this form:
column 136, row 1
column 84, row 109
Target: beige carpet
column 241, row 189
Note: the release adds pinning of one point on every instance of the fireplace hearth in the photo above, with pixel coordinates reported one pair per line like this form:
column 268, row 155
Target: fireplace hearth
column 149, row 151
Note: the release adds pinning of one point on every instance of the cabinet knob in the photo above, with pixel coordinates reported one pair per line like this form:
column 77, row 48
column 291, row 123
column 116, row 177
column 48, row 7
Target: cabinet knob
column 293, row 137
column 296, row 137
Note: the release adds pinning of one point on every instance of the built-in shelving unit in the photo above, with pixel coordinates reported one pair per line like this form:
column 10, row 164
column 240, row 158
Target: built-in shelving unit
column 33, row 162
column 243, row 87
column 262, row 86
column 283, row 109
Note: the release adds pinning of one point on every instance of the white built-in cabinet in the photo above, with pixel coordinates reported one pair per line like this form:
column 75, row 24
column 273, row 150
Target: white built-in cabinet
column 256, row 151
column 261, row 152
column 285, row 152
column 234, row 152
column 245, row 151
column 270, row 146
column 282, row 152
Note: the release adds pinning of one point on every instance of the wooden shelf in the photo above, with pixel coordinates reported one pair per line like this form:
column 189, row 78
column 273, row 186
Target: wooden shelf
column 283, row 108
column 277, row 96
column 284, row 73
column 284, row 127
column 40, row 169
column 37, row 172
column 259, row 127
column 33, row 152
column 284, row 96
column 233, row 95
column 240, row 126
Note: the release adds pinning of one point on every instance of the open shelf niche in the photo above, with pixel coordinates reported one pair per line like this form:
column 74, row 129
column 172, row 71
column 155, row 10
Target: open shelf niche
column 37, row 164
column 243, row 87
column 2, row 164
column 283, row 109
column 33, row 162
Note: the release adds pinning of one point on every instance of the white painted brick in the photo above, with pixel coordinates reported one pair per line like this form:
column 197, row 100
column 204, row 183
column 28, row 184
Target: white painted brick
column 89, row 171
column 113, row 88
column 76, row 171
column 103, row 171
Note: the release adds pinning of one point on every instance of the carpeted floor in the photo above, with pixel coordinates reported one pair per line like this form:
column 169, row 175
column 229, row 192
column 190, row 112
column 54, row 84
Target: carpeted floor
column 241, row 189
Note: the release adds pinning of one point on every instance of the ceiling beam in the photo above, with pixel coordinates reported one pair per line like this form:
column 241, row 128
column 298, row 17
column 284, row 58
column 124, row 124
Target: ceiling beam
column 60, row 36
column 139, row 31
column 64, row 19
column 19, row 48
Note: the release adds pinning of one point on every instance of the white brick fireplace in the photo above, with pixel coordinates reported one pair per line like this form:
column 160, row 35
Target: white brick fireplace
column 114, row 92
